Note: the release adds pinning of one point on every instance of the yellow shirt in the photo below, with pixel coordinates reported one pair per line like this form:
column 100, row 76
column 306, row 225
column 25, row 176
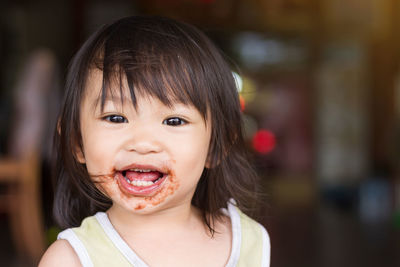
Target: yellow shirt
column 98, row 244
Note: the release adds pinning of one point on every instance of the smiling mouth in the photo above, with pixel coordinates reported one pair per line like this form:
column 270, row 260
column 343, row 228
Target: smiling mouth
column 142, row 181
column 142, row 177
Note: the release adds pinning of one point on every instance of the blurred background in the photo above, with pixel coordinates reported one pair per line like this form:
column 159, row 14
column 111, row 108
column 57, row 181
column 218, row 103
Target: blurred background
column 319, row 82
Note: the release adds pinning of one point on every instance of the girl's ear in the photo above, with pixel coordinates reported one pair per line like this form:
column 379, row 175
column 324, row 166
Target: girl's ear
column 208, row 164
column 211, row 163
column 79, row 155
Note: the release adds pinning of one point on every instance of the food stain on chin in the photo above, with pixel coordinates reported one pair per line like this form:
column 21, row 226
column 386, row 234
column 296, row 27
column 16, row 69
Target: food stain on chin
column 109, row 186
column 167, row 190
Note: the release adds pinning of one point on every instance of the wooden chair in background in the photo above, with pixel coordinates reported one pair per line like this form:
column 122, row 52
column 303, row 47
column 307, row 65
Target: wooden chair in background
column 20, row 168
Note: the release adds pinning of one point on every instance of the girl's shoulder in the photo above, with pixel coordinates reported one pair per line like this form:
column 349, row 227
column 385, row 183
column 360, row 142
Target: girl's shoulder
column 250, row 240
column 60, row 249
column 64, row 247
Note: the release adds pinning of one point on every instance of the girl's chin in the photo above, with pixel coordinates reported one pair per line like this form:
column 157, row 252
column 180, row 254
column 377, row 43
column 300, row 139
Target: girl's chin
column 138, row 206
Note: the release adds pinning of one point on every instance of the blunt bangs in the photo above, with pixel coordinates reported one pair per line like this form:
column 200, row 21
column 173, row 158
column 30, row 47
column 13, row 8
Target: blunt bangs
column 162, row 61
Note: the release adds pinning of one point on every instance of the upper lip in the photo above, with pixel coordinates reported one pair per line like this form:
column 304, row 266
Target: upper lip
column 163, row 169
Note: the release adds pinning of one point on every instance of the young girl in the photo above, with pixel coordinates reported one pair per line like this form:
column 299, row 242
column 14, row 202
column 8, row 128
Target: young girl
column 151, row 167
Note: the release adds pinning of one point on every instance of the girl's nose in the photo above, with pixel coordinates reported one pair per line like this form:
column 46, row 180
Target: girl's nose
column 143, row 141
column 143, row 147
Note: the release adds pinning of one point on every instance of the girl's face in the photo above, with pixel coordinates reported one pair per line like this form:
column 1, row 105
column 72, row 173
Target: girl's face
column 144, row 159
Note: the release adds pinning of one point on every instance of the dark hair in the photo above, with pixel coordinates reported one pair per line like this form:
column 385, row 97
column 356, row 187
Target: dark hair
column 172, row 61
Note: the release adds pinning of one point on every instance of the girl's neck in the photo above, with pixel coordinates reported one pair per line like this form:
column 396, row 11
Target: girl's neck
column 177, row 217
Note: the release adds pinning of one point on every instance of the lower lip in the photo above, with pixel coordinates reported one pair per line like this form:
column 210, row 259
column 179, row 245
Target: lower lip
column 140, row 190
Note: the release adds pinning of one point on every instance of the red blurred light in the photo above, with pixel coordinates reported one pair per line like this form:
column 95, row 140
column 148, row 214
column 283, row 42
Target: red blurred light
column 264, row 141
column 242, row 102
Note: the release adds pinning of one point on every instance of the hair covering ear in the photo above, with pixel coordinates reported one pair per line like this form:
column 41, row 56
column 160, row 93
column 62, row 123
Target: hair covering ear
column 79, row 155
column 208, row 164
column 212, row 161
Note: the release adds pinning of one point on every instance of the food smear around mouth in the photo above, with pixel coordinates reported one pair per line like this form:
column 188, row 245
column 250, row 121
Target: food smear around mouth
column 111, row 186
column 167, row 190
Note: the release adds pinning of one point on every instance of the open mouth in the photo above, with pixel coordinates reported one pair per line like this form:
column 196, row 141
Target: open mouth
column 142, row 180
column 142, row 177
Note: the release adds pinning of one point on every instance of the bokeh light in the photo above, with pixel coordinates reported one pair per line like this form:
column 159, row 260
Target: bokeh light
column 264, row 141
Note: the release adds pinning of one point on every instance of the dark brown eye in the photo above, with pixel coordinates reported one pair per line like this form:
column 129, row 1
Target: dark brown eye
column 174, row 121
column 115, row 118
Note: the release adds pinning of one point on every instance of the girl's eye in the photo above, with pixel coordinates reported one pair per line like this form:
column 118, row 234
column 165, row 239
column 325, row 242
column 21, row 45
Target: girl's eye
column 115, row 118
column 174, row 121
